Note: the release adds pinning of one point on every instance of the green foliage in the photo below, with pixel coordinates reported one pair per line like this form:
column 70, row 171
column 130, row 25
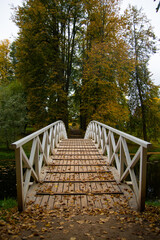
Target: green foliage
column 74, row 58
column 8, row 203
column 155, row 203
column 142, row 92
column 13, row 112
column 6, row 153
column 150, row 103
column 39, row 63
column 45, row 52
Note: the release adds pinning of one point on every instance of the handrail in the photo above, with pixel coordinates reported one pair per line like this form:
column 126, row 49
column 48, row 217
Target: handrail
column 27, row 167
column 118, row 153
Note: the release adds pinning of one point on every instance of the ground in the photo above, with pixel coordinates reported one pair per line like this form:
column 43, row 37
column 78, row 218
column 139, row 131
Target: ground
column 78, row 224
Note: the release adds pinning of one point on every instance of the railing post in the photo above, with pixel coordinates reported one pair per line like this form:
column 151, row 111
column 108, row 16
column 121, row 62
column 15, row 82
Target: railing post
column 123, row 162
column 142, row 179
column 56, row 136
column 104, row 142
column 110, row 148
column 122, row 156
column 51, row 139
column 99, row 136
column 19, row 179
column 45, row 145
column 37, row 167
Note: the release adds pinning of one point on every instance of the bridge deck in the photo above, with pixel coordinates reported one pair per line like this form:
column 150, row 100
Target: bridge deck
column 78, row 176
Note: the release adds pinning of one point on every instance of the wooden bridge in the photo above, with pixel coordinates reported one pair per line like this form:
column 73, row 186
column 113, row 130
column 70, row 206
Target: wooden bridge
column 85, row 173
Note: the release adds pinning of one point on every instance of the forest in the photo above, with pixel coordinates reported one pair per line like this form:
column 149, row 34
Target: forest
column 78, row 60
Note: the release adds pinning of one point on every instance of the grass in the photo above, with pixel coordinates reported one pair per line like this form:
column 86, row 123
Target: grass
column 154, row 157
column 7, row 206
column 6, row 153
column 155, row 203
column 8, row 203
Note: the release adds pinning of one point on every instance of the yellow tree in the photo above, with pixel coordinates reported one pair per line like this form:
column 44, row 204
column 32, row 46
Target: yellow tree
column 5, row 64
column 106, row 66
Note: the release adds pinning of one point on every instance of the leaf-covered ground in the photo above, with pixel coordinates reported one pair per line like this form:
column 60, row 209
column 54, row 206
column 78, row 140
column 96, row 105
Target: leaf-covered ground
column 74, row 224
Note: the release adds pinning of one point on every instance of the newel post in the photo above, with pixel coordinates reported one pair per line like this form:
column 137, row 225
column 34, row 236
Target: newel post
column 19, row 178
column 142, row 179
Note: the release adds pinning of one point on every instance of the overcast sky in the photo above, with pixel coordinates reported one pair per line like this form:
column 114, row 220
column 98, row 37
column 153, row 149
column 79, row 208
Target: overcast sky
column 8, row 29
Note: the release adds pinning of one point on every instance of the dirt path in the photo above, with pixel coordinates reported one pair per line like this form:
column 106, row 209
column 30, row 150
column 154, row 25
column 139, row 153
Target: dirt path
column 76, row 224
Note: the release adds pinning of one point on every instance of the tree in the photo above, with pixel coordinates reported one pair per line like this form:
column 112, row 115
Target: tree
column 158, row 6
column 13, row 112
column 5, row 63
column 37, row 52
column 142, row 41
column 106, row 66
column 45, row 52
column 150, row 96
column 74, row 52
column 39, row 64
column 13, row 59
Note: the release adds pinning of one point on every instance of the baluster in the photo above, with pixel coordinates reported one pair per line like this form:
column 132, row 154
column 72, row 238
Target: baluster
column 51, row 139
column 45, row 146
column 122, row 157
column 110, row 148
column 19, row 178
column 37, row 167
column 55, row 136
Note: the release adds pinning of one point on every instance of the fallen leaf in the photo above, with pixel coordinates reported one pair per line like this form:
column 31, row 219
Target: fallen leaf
column 87, row 234
column 41, row 237
column 60, row 228
column 80, row 221
column 103, row 220
column 2, row 223
column 48, row 225
column 61, row 223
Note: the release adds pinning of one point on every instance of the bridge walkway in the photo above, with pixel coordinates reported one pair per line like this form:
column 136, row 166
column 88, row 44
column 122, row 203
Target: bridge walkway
column 78, row 176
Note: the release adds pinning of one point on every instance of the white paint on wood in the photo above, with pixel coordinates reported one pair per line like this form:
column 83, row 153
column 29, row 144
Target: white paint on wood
column 119, row 154
column 39, row 155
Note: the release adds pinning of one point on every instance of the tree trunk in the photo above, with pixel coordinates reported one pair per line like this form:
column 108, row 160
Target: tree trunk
column 142, row 106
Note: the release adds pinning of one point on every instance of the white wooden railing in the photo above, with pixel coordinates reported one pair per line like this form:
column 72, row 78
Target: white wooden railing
column 42, row 143
column 116, row 144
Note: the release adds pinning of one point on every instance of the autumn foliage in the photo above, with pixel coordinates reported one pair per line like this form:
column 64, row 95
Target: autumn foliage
column 81, row 60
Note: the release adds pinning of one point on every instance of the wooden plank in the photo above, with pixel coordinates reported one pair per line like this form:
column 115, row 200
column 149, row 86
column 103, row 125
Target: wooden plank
column 75, row 159
column 75, row 151
column 64, row 172
column 83, row 198
column 79, row 154
column 77, row 188
column 78, row 181
column 78, row 178
column 97, row 202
